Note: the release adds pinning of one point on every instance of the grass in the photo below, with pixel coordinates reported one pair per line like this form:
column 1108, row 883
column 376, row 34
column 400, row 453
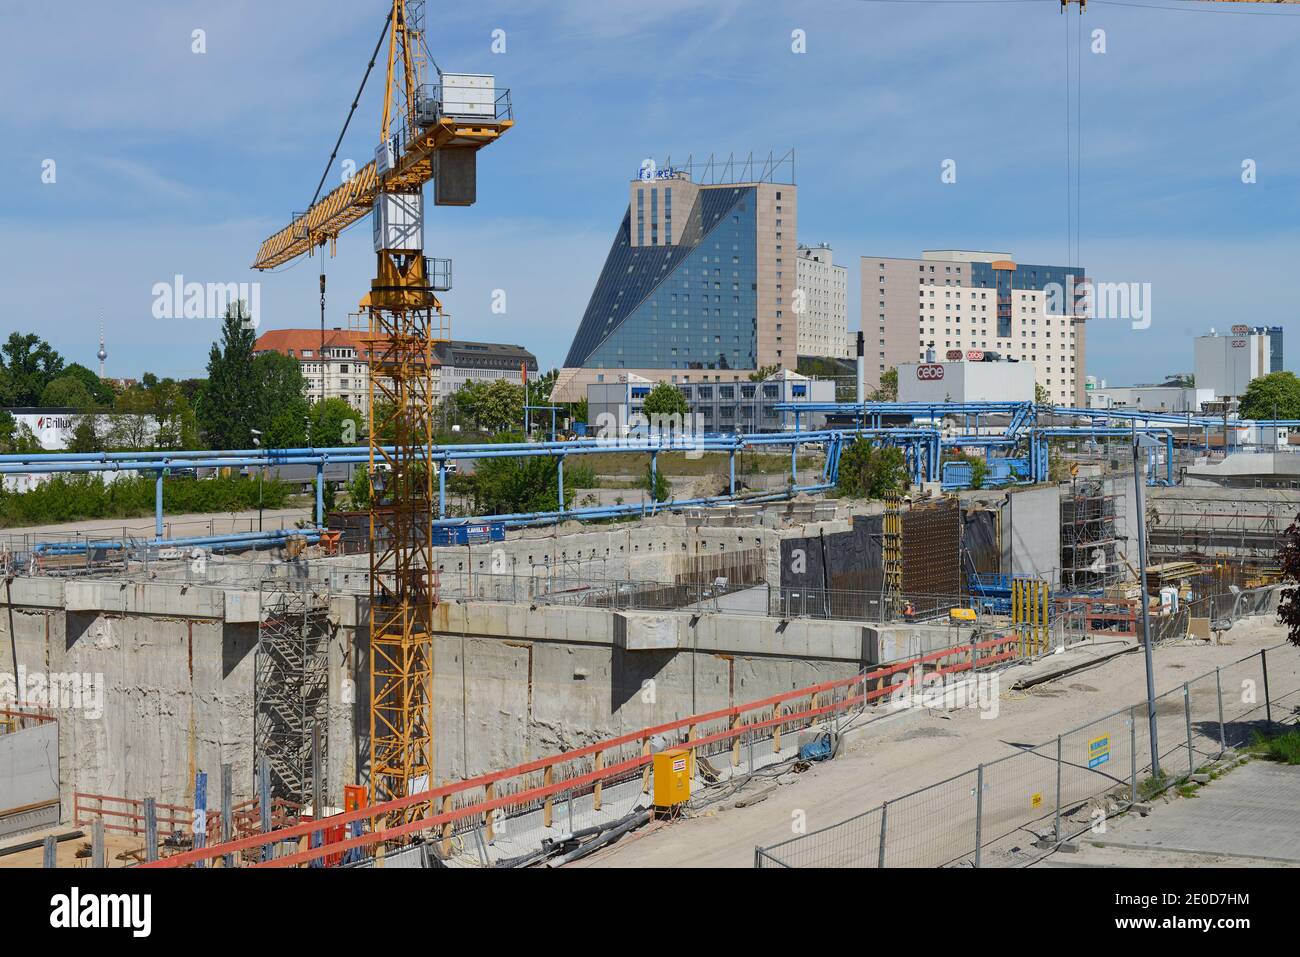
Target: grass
column 1282, row 746
column 710, row 463
column 1152, row 786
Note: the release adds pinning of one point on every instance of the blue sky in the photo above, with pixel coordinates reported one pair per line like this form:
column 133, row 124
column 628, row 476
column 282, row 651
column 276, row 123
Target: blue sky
column 173, row 162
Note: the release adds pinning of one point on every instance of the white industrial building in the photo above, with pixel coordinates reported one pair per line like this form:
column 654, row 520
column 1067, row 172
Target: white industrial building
column 1150, row 398
column 966, row 381
column 1226, row 364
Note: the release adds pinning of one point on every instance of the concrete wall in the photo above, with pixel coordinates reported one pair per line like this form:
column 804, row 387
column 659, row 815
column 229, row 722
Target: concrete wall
column 1031, row 533
column 512, row 681
column 29, row 777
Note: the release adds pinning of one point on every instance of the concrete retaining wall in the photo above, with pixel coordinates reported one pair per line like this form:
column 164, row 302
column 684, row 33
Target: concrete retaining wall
column 29, row 778
column 513, row 682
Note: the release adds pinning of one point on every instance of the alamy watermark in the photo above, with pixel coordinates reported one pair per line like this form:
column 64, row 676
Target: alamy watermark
column 668, row 430
column 1126, row 301
column 179, row 299
column 947, row 692
column 54, row 691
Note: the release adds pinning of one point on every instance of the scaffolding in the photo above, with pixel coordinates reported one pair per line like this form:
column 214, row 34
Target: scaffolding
column 892, row 553
column 1235, row 529
column 1090, row 546
column 291, row 685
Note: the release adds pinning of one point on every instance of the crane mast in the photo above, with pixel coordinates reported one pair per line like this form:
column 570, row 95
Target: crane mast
column 429, row 132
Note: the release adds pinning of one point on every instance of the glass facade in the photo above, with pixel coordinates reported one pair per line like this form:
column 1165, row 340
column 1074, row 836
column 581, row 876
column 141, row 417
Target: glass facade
column 1025, row 277
column 692, row 305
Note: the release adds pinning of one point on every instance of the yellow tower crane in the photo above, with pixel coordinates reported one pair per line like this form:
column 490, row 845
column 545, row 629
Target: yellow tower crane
column 430, row 131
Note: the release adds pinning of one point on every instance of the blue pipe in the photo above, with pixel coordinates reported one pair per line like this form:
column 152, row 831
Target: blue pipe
column 249, row 538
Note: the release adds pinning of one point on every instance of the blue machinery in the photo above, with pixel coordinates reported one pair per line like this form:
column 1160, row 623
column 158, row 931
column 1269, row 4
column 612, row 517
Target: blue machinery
column 1016, row 453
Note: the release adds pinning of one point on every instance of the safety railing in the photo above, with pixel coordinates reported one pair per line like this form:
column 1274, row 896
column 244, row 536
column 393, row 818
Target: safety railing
column 173, row 821
column 481, row 801
column 18, row 719
column 1011, row 811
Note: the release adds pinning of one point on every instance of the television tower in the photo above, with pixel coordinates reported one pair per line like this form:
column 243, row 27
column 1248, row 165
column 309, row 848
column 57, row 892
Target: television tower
column 103, row 353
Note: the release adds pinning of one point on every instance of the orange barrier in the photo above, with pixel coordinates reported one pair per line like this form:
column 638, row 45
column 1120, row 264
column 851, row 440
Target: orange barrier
column 126, row 815
column 975, row 655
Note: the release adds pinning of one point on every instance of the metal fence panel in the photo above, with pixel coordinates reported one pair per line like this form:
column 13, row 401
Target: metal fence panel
column 933, row 827
column 1002, row 812
column 851, row 843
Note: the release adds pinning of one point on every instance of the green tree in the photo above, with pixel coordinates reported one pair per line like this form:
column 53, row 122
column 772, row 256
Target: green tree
column 29, row 364
column 359, row 489
column 508, row 485
column 656, row 484
column 153, row 413
column 578, row 411
column 334, row 422
column 1277, row 392
column 87, row 435
column 228, row 408
column 1288, row 560
column 665, row 399
column 99, row 390
column 887, row 391
column 67, row 392
column 979, row 467
column 496, row 406
column 868, row 470
column 280, row 400
column 1041, row 395
column 15, row 436
column 764, row 372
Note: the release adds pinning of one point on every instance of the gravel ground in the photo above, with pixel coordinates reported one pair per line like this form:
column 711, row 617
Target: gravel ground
column 894, row 757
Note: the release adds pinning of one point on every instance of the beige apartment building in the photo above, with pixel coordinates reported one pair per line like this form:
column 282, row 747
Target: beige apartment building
column 341, row 370
column 952, row 302
column 821, row 303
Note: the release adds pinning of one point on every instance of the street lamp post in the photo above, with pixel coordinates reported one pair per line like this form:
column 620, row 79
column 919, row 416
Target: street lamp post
column 1139, row 480
column 257, row 444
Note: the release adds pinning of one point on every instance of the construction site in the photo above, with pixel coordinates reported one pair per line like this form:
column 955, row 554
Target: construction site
column 630, row 683
column 525, row 711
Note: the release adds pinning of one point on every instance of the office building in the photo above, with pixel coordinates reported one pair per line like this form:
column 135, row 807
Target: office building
column 721, row 407
column 821, row 302
column 950, row 302
column 1275, row 355
column 698, row 283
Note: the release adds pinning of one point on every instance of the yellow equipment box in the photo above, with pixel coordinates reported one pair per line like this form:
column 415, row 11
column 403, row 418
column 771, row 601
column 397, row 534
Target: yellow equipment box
column 961, row 614
column 672, row 776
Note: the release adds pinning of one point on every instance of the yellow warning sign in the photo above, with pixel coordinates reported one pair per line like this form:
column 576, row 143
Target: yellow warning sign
column 1036, row 800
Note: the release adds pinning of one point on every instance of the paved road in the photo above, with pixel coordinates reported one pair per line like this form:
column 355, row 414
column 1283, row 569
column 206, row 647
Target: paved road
column 1251, row 813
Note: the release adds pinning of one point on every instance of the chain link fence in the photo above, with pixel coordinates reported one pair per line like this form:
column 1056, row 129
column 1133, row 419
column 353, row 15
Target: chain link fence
column 1011, row 811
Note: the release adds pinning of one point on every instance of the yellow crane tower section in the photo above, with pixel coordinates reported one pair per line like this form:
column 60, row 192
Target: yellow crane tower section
column 430, row 131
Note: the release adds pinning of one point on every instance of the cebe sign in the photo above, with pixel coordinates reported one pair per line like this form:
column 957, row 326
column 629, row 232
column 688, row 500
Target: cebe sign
column 1240, row 330
column 975, row 356
column 1238, row 343
column 954, row 355
column 930, row 372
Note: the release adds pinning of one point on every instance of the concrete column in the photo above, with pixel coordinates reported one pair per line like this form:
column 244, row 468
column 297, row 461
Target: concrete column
column 320, row 494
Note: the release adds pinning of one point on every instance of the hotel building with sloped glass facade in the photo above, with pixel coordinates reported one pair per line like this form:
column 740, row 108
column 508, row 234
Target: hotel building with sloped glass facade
column 696, row 287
